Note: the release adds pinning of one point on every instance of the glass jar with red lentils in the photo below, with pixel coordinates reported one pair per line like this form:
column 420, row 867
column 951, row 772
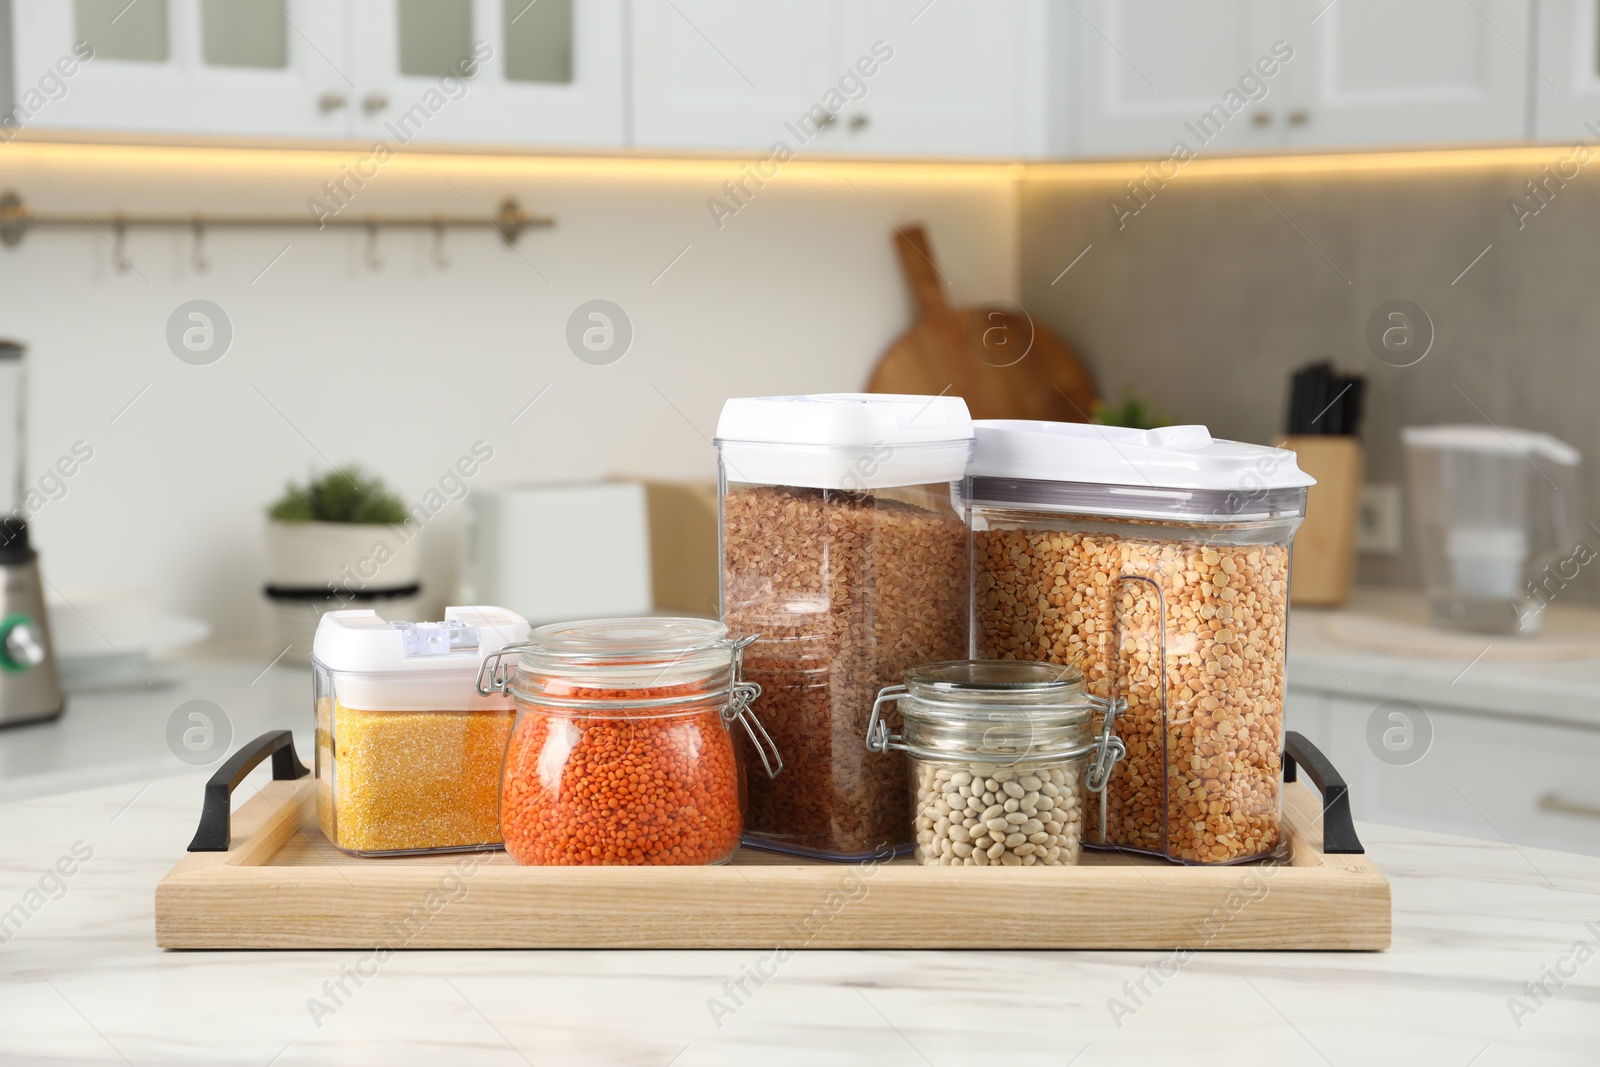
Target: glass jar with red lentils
column 621, row 752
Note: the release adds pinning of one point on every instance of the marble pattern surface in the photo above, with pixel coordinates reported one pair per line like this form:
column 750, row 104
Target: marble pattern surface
column 120, row 735
column 81, row 980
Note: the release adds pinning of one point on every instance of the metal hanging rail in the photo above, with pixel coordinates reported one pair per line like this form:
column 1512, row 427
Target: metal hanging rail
column 17, row 219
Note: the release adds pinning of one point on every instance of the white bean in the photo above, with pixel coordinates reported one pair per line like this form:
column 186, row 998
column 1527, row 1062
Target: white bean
column 983, row 815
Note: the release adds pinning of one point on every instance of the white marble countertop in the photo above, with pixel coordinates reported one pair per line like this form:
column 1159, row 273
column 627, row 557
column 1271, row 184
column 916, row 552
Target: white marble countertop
column 1561, row 691
column 120, row 735
column 83, row 982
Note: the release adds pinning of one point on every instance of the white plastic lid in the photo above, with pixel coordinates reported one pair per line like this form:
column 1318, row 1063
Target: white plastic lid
column 1171, row 457
column 1492, row 439
column 1176, row 473
column 421, row 666
column 845, row 440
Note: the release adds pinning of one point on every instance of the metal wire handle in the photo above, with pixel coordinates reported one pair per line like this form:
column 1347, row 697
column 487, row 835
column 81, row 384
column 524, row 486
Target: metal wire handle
column 1108, row 753
column 879, row 739
column 739, row 708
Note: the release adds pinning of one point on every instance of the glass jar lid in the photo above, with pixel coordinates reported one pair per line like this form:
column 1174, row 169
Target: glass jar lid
column 999, row 711
column 616, row 641
column 997, row 691
column 636, row 663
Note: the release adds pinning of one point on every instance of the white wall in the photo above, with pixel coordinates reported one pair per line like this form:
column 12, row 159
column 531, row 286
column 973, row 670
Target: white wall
column 403, row 368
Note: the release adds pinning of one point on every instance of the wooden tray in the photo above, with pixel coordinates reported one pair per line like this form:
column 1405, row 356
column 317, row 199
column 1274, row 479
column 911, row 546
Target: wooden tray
column 279, row 884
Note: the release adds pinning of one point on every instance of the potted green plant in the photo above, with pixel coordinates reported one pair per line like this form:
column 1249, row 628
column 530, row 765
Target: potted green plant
column 1133, row 412
column 337, row 541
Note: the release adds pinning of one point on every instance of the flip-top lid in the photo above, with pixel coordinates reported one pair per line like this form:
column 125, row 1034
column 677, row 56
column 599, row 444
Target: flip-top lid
column 413, row 666
column 849, row 441
column 1174, row 472
column 360, row 641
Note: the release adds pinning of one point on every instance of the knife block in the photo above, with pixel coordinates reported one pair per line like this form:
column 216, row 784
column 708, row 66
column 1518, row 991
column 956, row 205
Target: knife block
column 1325, row 545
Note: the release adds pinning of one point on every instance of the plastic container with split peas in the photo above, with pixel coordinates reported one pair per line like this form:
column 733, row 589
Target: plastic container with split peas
column 1156, row 562
column 621, row 752
column 408, row 753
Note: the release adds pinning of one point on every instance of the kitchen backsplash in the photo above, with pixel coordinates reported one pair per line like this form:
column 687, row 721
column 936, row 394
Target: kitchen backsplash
column 404, row 367
column 1202, row 293
column 1205, row 291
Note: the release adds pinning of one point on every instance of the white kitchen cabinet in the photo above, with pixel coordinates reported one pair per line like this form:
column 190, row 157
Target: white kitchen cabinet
column 542, row 72
column 1362, row 72
column 951, row 78
column 956, row 83
column 1153, row 73
column 711, row 74
column 1567, row 86
column 240, row 67
column 1376, row 72
column 546, row 73
column 1500, row 778
column 858, row 77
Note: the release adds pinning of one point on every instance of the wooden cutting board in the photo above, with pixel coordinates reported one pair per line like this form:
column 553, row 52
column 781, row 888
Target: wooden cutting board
column 1003, row 363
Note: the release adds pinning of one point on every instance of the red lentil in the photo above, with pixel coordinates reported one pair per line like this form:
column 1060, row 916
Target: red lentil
column 622, row 786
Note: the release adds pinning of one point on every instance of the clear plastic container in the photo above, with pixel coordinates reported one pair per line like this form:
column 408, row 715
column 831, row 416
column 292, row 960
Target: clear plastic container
column 844, row 561
column 408, row 753
column 621, row 752
column 1004, row 758
column 1497, row 517
column 1156, row 562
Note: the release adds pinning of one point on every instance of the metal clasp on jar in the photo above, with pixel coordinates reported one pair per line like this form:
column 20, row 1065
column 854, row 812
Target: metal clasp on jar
column 1108, row 752
column 879, row 739
column 493, row 676
column 744, row 693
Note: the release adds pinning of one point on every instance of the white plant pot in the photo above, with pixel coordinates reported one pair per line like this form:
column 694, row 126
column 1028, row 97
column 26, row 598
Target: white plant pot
column 364, row 563
column 302, row 555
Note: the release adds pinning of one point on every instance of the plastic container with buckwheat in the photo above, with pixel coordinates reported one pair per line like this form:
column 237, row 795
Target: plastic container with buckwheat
column 844, row 561
column 1157, row 562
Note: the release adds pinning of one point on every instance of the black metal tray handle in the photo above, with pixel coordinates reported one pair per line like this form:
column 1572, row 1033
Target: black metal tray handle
column 1338, row 830
column 215, row 832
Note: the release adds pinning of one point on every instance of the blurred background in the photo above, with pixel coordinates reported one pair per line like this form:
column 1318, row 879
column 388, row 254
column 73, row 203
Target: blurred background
column 477, row 275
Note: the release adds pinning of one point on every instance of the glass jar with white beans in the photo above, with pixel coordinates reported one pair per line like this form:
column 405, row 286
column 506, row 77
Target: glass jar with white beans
column 1004, row 758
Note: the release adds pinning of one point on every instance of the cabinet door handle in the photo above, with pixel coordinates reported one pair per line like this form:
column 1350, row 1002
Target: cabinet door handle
column 374, row 102
column 1299, row 117
column 1261, row 118
column 859, row 122
column 1556, row 802
column 332, row 100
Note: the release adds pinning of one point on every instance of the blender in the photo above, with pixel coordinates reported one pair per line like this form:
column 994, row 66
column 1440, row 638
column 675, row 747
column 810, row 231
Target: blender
column 1495, row 515
column 29, row 687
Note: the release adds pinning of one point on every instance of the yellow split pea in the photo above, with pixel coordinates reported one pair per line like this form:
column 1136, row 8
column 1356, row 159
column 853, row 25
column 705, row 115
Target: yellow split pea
column 1201, row 779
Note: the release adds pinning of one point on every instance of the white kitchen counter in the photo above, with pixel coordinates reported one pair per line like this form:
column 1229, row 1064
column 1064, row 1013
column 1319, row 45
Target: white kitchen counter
column 83, row 981
column 121, row 735
column 1503, row 750
column 1564, row 692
